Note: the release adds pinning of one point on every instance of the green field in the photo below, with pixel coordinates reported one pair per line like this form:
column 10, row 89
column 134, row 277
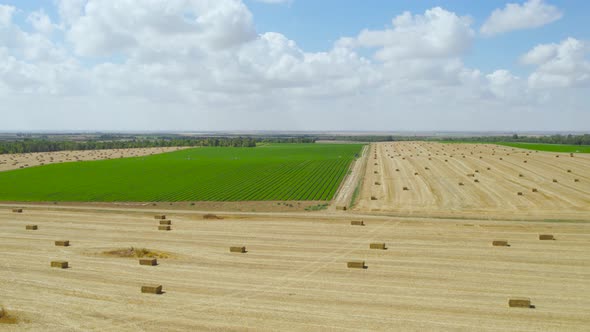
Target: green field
column 534, row 146
column 550, row 147
column 264, row 173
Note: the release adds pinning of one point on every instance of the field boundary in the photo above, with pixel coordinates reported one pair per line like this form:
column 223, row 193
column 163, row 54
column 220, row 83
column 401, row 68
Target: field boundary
column 348, row 185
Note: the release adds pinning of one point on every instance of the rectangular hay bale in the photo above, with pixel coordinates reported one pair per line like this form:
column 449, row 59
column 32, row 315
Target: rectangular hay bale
column 500, row 243
column 59, row 264
column 151, row 289
column 380, row 246
column 17, row 210
column 62, row 243
column 165, row 222
column 164, row 228
column 357, row 223
column 356, row 265
column 32, row 227
column 519, row 302
column 237, row 249
column 546, row 237
column 148, row 261
column 159, row 216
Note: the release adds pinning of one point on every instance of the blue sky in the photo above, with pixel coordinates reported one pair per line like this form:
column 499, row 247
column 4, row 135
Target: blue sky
column 253, row 65
column 316, row 24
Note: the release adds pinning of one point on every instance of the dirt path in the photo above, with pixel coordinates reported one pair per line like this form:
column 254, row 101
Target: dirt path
column 346, row 191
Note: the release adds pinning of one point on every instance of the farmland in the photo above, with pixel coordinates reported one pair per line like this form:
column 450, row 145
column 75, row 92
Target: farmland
column 435, row 275
column 550, row 147
column 266, row 173
column 476, row 180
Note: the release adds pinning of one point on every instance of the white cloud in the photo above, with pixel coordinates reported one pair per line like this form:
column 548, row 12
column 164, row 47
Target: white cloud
column 531, row 14
column 559, row 65
column 200, row 64
column 6, row 13
column 436, row 33
column 40, row 22
column 111, row 27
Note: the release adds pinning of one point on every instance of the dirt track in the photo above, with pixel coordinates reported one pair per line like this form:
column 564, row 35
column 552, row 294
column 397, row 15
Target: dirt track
column 436, row 274
column 23, row 160
column 501, row 173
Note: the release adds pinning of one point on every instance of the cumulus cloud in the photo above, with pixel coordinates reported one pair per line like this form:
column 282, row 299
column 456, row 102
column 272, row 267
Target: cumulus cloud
column 531, row 14
column 559, row 65
column 436, row 33
column 6, row 13
column 103, row 28
column 40, row 22
column 201, row 64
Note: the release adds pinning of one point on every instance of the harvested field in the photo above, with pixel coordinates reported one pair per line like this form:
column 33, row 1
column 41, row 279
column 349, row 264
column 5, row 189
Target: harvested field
column 16, row 161
column 295, row 275
column 500, row 175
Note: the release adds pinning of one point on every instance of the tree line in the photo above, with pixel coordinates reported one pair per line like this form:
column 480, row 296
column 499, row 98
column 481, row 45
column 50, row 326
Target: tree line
column 552, row 139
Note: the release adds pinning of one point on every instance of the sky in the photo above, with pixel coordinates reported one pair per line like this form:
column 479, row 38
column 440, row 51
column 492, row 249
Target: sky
column 304, row 65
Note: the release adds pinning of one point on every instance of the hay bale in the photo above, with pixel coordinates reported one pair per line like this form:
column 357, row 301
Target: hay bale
column 379, row 246
column 373, row 198
column 341, row 208
column 240, row 250
column 489, row 168
column 211, row 216
column 535, row 190
column 476, row 181
column 356, row 265
column 377, row 183
column 151, row 289
column 576, row 180
column 555, row 180
column 500, row 243
column 375, row 172
column 519, row 302
column 17, row 210
column 60, row 264
column 415, row 173
column 520, row 175
column 357, row 223
column 32, row 227
column 525, row 161
column 159, row 216
column 62, row 243
column 520, row 193
column 148, row 261
column 546, row 237
column 397, row 169
column 471, row 175
column 569, row 170
column 164, row 228
column 406, row 188
column 461, row 183
column 165, row 222
column 571, row 154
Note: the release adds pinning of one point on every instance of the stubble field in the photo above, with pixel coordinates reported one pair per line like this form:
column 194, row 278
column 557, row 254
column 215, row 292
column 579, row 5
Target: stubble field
column 475, row 180
column 435, row 274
